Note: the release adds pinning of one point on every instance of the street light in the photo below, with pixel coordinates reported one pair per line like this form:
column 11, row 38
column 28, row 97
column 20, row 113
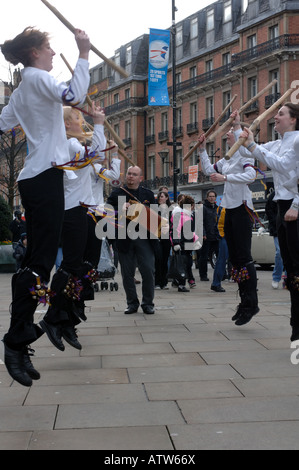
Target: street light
column 174, row 143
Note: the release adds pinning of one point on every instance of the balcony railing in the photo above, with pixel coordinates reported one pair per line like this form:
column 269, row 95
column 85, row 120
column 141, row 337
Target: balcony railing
column 271, row 99
column 206, row 123
column 192, row 127
column 125, row 104
column 286, row 41
column 150, row 139
column 182, row 180
column 163, row 136
column 128, row 142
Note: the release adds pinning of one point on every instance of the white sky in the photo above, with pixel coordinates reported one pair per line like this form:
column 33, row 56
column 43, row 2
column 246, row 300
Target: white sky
column 109, row 24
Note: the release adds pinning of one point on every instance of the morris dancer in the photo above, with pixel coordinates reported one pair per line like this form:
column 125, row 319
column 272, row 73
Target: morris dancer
column 73, row 280
column 280, row 156
column 37, row 106
column 236, row 174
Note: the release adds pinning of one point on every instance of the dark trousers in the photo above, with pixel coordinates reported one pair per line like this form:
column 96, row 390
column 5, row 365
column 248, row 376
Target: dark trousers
column 43, row 200
column 238, row 234
column 74, row 236
column 203, row 256
column 94, row 244
column 161, row 262
column 288, row 237
column 140, row 254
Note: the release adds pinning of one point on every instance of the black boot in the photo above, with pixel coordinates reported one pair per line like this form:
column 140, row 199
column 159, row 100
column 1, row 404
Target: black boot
column 14, row 361
column 29, row 368
column 70, row 336
column 248, row 293
column 54, row 334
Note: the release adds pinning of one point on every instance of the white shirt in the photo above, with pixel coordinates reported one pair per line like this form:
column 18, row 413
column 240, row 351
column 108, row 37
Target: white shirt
column 279, row 155
column 78, row 184
column 97, row 182
column 36, row 105
column 236, row 191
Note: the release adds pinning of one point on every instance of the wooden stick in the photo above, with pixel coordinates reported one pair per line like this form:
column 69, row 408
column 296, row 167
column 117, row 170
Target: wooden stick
column 229, row 122
column 257, row 122
column 66, row 23
column 211, row 129
column 110, row 129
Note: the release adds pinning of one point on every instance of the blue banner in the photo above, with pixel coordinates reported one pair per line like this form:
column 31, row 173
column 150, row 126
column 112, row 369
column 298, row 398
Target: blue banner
column 159, row 44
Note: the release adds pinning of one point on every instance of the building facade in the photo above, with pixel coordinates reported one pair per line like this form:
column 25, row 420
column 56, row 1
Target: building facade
column 231, row 47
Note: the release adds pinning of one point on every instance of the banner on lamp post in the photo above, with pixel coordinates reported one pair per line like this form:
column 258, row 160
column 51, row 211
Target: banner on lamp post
column 193, row 174
column 159, row 44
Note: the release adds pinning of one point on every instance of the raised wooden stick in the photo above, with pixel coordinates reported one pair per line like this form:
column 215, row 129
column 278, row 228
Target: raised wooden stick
column 211, row 129
column 257, row 122
column 66, row 23
column 109, row 128
column 243, row 108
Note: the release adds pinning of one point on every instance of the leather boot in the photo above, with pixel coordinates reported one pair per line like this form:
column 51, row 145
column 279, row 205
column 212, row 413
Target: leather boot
column 14, row 361
column 29, row 368
column 70, row 336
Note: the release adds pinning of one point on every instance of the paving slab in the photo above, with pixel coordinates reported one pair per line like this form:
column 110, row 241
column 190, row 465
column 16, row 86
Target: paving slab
column 120, row 438
column 185, row 378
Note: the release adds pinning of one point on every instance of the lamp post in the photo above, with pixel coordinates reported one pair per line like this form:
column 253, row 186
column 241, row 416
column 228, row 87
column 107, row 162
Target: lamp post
column 174, row 143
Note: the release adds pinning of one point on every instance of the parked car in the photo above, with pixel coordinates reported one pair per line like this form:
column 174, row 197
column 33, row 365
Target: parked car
column 262, row 247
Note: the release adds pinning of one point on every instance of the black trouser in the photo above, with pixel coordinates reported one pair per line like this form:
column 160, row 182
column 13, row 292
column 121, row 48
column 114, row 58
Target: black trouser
column 203, row 255
column 74, row 236
column 94, row 244
column 238, row 234
column 289, row 248
column 43, row 201
column 161, row 262
column 140, row 254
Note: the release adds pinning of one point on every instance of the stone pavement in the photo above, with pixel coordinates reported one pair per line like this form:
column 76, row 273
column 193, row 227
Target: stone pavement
column 183, row 379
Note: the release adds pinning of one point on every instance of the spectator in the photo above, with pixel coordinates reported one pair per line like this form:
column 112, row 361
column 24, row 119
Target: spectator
column 20, row 250
column 17, row 227
column 210, row 234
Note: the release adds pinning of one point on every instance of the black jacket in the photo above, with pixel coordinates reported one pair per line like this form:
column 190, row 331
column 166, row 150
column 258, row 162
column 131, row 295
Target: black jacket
column 210, row 229
column 143, row 195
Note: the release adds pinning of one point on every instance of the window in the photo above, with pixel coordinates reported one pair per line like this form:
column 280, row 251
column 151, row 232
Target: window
column 274, row 75
column 129, row 55
column 226, row 99
column 179, row 36
column 226, row 58
column 151, row 125
column 244, row 5
column 227, row 14
column 178, row 78
column 272, row 134
column 210, row 107
column 193, row 112
column 128, row 129
column 209, row 65
column 251, row 41
column 192, row 72
column 210, row 20
column 127, row 94
column 252, row 87
column 152, row 167
column 273, row 32
column 164, row 122
column 194, row 28
column 116, row 98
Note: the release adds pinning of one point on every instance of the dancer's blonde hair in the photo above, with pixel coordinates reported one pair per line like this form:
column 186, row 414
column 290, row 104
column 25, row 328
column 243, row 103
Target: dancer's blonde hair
column 85, row 135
